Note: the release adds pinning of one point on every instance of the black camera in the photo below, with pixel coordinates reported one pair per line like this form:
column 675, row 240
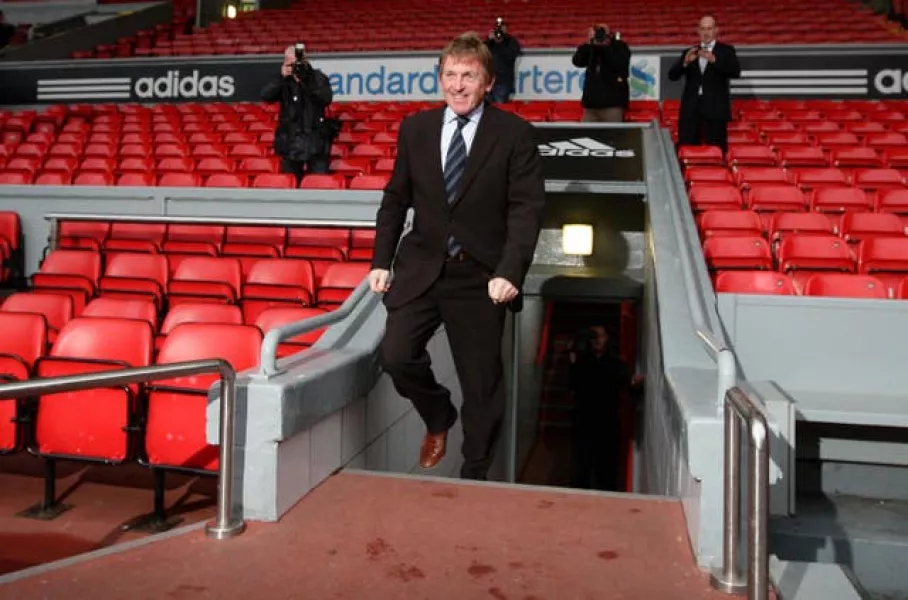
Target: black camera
column 499, row 28
column 301, row 67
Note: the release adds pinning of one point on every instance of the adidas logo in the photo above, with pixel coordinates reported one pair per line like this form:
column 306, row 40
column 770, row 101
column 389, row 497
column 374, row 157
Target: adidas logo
column 578, row 147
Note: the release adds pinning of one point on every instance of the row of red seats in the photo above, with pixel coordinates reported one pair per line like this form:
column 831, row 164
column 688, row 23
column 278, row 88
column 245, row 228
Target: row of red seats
column 161, row 425
column 327, row 28
column 58, row 310
column 802, row 255
column 797, row 154
column 828, row 285
column 224, row 179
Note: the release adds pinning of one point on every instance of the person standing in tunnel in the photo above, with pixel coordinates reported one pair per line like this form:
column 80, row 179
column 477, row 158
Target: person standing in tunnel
column 598, row 380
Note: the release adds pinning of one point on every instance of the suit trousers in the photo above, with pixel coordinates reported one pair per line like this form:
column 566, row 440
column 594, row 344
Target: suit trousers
column 702, row 128
column 459, row 300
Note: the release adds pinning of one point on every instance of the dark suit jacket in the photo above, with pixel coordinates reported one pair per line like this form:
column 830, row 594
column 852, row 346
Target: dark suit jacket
column 716, row 96
column 496, row 217
column 608, row 68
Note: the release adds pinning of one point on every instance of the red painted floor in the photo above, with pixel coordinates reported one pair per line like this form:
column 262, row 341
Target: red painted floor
column 102, row 498
column 372, row 536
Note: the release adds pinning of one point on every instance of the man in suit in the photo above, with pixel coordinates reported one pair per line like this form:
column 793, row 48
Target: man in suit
column 473, row 176
column 706, row 103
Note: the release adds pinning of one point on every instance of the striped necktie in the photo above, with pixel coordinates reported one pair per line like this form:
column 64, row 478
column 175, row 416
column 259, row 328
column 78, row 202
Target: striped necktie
column 454, row 165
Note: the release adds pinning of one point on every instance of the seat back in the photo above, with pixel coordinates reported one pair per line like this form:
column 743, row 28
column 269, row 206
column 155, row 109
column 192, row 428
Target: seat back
column 845, row 285
column 755, row 282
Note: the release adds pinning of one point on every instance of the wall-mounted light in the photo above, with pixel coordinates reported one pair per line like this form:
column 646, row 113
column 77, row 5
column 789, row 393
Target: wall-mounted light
column 231, row 11
column 577, row 239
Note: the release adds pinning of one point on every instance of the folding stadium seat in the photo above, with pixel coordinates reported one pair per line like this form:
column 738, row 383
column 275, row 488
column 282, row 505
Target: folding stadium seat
column 316, row 181
column 878, row 180
column 369, row 182
column 747, row 177
column 255, row 166
column 859, row 226
column 338, row 282
column 187, row 240
column 279, row 282
column 173, row 179
column 855, row 158
column 811, row 179
column 715, row 197
column 89, row 235
column 139, row 309
column 136, row 179
column 57, row 309
column 804, row 255
column 72, row 272
column 205, row 279
column 791, row 139
column 837, row 201
column 713, row 223
column 845, row 285
column 886, row 258
column 95, row 178
column 750, row 156
column 836, row 139
column 252, row 244
column 175, row 431
column 10, row 243
column 896, row 158
column 135, row 237
column 95, row 425
column 197, row 313
column 274, row 180
column 802, row 157
column 698, row 176
column 700, row 156
column 351, row 166
column 383, row 166
column 24, row 340
column 272, row 318
column 227, row 180
column 321, row 246
column 16, row 177
column 755, row 282
column 746, row 252
column 362, row 242
column 886, row 140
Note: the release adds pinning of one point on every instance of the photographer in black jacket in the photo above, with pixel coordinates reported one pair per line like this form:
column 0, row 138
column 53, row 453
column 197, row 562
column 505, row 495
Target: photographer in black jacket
column 303, row 137
column 505, row 49
column 607, row 59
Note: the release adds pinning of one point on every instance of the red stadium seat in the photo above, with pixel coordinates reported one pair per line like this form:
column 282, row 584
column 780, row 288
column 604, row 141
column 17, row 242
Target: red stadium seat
column 24, row 339
column 339, row 280
column 74, row 272
column 804, row 255
column 729, row 222
column 123, row 308
column 279, row 282
column 206, row 279
column 749, row 252
column 845, row 285
column 136, row 275
column 175, row 433
column 755, row 282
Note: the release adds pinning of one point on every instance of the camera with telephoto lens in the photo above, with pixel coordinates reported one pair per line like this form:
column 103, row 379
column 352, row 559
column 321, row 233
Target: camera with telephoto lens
column 600, row 35
column 499, row 28
column 301, row 67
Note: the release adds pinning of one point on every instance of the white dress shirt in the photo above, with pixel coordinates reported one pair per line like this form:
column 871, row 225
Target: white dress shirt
column 702, row 62
column 450, row 126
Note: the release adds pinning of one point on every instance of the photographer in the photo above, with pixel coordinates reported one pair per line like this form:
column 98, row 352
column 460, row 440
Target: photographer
column 505, row 49
column 598, row 380
column 706, row 100
column 606, row 93
column 303, row 137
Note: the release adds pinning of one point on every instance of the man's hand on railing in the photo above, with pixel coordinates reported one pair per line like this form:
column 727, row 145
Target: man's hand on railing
column 379, row 280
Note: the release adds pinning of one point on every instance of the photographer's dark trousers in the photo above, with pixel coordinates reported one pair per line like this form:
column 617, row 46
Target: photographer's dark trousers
column 316, row 164
column 501, row 92
column 701, row 129
column 612, row 114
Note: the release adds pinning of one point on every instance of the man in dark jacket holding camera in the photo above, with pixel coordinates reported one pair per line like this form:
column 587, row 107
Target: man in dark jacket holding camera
column 505, row 49
column 607, row 59
column 303, row 137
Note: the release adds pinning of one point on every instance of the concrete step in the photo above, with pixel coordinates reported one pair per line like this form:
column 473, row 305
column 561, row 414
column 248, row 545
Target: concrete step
column 867, row 536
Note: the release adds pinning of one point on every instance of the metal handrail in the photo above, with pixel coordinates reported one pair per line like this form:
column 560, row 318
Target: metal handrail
column 226, row 524
column 715, row 344
column 207, row 220
column 268, row 358
column 731, row 578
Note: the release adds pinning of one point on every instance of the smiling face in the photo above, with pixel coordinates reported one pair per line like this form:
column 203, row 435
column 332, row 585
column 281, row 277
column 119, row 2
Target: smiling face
column 464, row 81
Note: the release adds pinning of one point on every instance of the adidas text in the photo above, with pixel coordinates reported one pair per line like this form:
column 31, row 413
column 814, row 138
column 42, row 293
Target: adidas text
column 582, row 152
column 171, row 85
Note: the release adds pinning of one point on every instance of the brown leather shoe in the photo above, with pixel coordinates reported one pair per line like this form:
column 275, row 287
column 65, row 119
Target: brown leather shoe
column 433, row 449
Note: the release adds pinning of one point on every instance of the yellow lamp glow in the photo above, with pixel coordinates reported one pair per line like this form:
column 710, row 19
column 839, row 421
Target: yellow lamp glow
column 577, row 240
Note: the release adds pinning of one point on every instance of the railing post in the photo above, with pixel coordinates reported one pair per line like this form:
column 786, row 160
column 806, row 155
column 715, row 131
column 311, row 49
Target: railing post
column 730, row 578
column 226, row 526
column 758, row 509
column 728, row 376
